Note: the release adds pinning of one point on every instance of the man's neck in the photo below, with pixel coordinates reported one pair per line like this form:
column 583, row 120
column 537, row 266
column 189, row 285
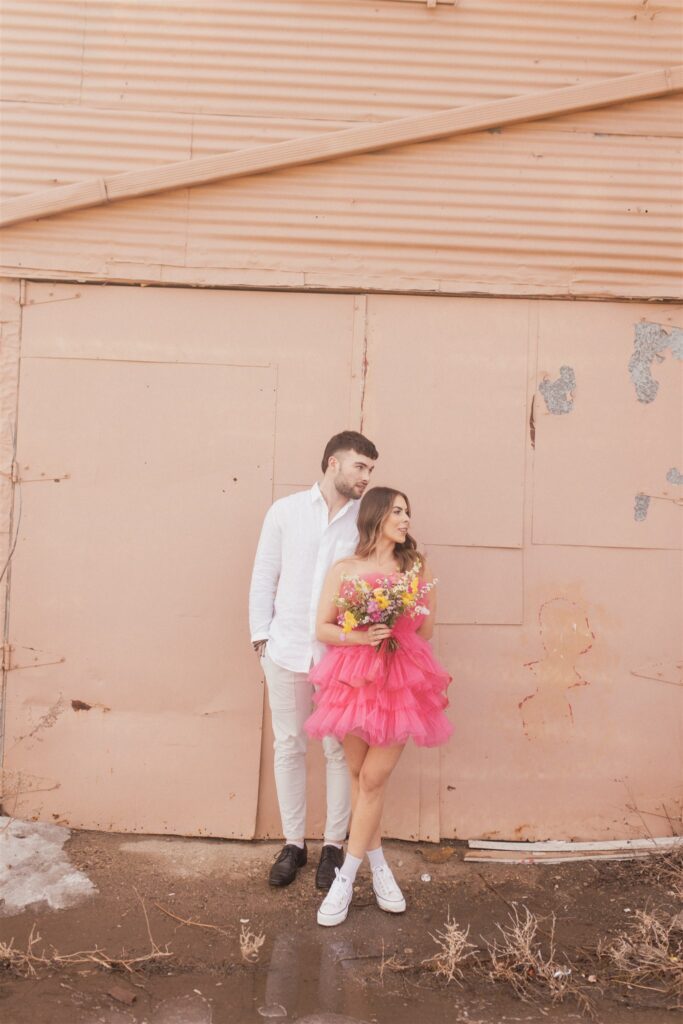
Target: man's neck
column 333, row 499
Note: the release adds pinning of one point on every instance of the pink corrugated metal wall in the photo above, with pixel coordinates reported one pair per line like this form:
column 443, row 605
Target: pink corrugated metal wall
column 579, row 205
column 544, row 472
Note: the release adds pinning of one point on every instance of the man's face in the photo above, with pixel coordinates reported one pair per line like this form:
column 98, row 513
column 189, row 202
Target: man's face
column 351, row 473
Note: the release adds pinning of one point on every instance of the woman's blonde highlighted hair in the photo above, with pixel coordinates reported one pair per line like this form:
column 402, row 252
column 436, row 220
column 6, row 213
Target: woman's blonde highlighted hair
column 375, row 507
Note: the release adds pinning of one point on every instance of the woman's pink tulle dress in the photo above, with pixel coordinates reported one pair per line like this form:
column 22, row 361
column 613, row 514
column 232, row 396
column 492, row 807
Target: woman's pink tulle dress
column 383, row 697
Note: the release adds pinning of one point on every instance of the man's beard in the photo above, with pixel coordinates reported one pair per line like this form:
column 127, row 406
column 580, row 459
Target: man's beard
column 346, row 490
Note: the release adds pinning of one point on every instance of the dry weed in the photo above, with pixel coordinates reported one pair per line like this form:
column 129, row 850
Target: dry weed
column 454, row 950
column 250, row 944
column 649, row 955
column 518, row 959
column 393, row 963
column 660, row 869
column 28, row 962
column 671, row 871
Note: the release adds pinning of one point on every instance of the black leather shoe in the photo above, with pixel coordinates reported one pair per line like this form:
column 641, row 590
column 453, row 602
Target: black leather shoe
column 289, row 860
column 330, row 858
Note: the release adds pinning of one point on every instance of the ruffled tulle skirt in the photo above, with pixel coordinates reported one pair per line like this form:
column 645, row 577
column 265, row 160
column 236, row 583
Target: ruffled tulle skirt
column 384, row 697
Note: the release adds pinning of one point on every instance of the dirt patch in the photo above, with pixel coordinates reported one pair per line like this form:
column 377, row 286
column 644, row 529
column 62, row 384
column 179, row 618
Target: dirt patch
column 194, row 899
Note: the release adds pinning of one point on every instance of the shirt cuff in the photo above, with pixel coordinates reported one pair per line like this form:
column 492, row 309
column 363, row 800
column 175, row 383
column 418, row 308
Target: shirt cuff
column 258, row 636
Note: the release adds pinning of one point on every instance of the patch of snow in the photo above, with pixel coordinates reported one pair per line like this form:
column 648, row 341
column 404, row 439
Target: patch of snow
column 35, row 869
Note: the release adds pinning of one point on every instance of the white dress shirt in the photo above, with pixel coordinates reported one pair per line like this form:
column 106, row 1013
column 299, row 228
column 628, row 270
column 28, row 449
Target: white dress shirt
column 295, row 551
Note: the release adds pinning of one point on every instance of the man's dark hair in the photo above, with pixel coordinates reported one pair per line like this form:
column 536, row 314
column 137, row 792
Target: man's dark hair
column 348, row 441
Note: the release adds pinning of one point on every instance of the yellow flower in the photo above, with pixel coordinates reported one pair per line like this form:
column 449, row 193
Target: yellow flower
column 380, row 597
column 349, row 622
column 414, row 585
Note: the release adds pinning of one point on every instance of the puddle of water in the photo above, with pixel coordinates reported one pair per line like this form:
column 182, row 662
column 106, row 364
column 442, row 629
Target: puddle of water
column 319, row 980
column 183, row 1010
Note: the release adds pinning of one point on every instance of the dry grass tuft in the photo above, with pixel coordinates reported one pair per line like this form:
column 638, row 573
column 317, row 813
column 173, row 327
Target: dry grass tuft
column 671, row 871
column 393, row 963
column 660, row 870
column 520, row 960
column 454, row 950
column 649, row 955
column 250, row 944
column 28, row 962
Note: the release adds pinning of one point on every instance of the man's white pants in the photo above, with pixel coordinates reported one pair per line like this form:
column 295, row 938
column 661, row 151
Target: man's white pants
column 291, row 701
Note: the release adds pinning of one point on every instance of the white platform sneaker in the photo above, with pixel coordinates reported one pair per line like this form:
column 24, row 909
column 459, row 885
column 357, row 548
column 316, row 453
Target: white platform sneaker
column 335, row 906
column 387, row 893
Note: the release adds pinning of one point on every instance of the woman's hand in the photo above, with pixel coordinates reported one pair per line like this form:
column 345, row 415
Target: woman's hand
column 375, row 634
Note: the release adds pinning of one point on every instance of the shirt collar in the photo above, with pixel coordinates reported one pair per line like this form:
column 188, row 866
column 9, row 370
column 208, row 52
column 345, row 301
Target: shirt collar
column 316, row 495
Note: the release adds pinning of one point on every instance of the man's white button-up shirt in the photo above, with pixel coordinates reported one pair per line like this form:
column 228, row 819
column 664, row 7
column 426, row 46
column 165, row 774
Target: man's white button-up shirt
column 295, row 551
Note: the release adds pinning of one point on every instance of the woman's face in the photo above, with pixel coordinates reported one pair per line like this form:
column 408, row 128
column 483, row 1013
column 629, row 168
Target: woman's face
column 397, row 521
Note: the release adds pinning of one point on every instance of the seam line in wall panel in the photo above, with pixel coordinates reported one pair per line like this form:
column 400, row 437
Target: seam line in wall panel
column 11, row 545
column 276, row 367
column 364, row 366
column 39, row 275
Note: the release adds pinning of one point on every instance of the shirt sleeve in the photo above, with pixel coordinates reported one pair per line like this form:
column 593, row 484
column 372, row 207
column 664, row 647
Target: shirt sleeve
column 265, row 576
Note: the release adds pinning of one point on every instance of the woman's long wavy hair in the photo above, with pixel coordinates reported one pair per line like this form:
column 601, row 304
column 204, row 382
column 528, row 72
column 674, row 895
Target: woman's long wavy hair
column 375, row 507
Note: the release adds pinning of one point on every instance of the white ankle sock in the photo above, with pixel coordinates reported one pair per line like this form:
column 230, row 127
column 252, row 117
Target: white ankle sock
column 349, row 868
column 333, row 842
column 295, row 842
column 376, row 858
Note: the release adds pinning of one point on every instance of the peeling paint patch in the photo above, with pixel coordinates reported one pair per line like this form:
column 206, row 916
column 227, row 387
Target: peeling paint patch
column 641, row 506
column 566, row 635
column 674, row 476
column 558, row 394
column 651, row 341
column 46, row 722
column 80, row 705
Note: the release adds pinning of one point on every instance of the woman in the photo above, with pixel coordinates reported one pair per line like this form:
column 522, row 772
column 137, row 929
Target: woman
column 372, row 698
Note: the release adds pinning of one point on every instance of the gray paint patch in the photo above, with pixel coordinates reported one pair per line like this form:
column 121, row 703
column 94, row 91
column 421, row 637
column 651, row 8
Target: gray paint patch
column 674, row 476
column 640, row 507
column 558, row 393
column 651, row 341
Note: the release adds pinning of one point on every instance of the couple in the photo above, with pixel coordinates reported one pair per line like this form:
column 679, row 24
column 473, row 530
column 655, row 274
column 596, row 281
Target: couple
column 371, row 699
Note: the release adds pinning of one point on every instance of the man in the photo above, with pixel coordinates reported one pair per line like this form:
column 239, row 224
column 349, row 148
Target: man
column 302, row 535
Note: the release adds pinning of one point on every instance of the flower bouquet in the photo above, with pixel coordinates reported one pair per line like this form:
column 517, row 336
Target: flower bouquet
column 361, row 604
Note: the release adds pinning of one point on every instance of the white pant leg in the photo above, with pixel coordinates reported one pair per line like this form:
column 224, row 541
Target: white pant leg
column 290, row 698
column 338, row 791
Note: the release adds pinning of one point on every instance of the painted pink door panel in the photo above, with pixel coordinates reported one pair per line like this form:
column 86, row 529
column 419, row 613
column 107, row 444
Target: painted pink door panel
column 445, row 403
column 562, row 726
column 309, row 338
column 131, row 573
column 609, row 425
column 478, row 585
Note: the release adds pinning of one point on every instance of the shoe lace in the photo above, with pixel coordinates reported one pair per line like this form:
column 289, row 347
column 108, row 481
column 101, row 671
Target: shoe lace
column 385, row 881
column 339, row 889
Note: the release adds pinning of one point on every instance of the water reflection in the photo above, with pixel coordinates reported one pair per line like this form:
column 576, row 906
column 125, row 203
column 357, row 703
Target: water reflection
column 314, row 977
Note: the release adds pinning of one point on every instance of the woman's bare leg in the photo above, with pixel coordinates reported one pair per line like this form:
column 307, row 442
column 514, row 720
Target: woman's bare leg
column 375, row 769
column 355, row 750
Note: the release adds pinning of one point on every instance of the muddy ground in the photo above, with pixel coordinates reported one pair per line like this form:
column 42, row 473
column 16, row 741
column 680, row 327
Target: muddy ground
column 369, row 969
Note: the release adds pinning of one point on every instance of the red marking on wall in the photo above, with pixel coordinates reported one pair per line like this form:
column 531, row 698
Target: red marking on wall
column 566, row 635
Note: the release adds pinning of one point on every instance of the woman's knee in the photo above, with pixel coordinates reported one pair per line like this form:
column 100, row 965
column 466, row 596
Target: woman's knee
column 372, row 780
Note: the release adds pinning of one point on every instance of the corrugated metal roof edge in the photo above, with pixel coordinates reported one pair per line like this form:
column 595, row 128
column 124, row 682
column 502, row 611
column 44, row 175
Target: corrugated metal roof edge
column 349, row 142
